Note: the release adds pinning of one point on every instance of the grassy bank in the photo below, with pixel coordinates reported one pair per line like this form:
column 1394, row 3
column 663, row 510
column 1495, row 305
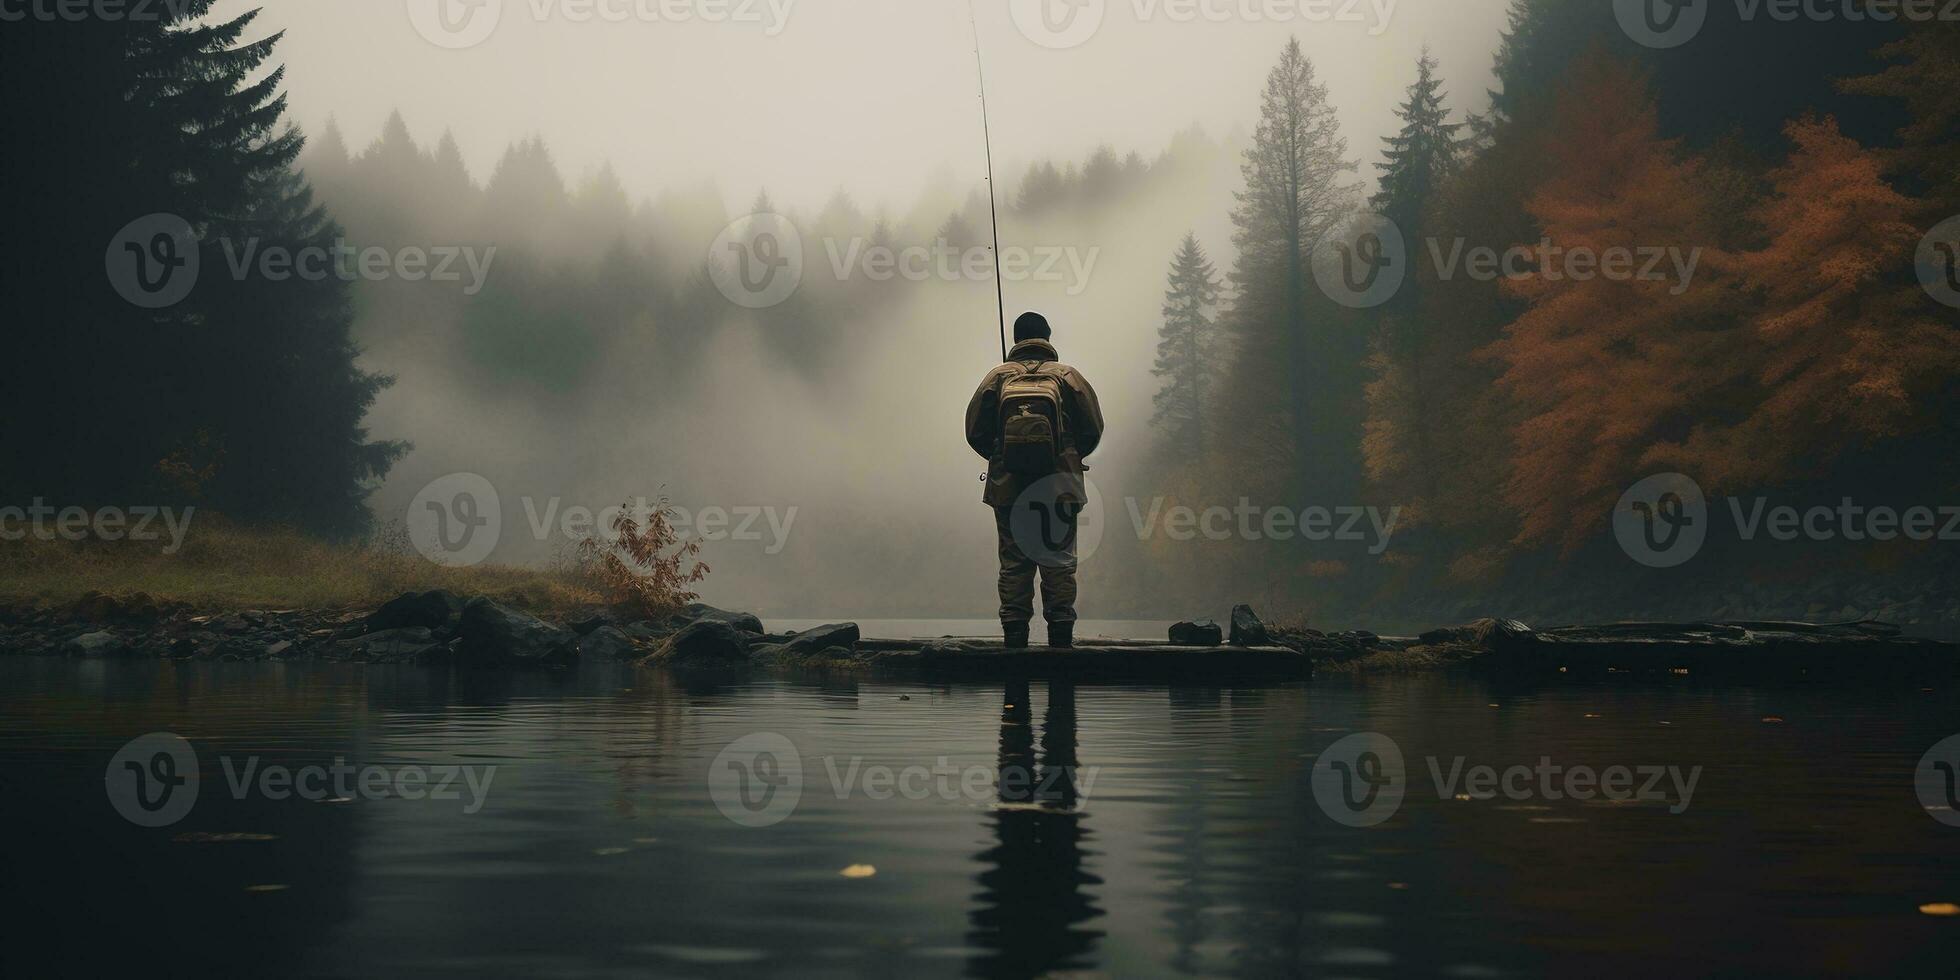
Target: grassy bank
column 222, row 567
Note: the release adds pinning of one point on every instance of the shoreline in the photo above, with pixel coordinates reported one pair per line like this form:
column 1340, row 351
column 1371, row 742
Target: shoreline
column 444, row 630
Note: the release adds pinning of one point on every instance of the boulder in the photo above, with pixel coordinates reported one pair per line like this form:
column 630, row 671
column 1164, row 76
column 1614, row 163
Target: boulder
column 704, row 643
column 818, row 639
column 607, row 644
column 494, row 636
column 1203, row 633
column 1247, row 630
column 431, row 610
column 746, row 622
column 100, row 607
column 409, row 645
column 651, row 632
column 100, row 643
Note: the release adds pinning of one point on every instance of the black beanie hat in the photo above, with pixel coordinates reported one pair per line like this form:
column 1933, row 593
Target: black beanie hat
column 1032, row 326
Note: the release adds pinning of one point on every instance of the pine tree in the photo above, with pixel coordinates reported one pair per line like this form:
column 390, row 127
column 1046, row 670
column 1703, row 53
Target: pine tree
column 173, row 114
column 1925, row 64
column 1186, row 352
column 1419, row 159
column 1296, row 379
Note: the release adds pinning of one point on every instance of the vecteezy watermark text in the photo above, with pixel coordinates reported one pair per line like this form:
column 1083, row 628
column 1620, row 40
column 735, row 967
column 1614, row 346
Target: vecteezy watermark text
column 1364, row 263
column 759, row 260
column 73, row 11
column 457, row 519
column 942, row 260
column 1062, row 24
column 44, row 522
column 154, row 262
column 1362, row 779
column 154, row 780
column 1672, row 23
column 757, row 780
column 1663, row 520
column 1246, row 521
column 457, row 24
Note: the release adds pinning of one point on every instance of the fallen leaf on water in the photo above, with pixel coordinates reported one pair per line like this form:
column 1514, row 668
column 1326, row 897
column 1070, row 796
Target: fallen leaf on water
column 205, row 837
column 266, row 888
column 1940, row 908
column 609, row 851
column 859, row 871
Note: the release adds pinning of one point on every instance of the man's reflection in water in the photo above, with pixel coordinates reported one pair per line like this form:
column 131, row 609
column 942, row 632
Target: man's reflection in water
column 1032, row 900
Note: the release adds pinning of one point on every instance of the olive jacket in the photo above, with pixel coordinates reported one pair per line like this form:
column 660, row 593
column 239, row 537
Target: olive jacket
column 1082, row 421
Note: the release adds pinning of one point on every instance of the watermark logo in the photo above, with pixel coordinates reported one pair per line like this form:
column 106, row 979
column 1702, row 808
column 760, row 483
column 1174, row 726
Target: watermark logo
column 1661, row 23
column 1360, row 780
column 153, row 261
column 1364, row 263
column 757, row 780
column 455, row 519
column 1058, row 24
column 1662, row 521
column 153, row 779
column 1058, row 520
column 455, row 24
column 1361, row 265
column 1937, row 781
column 757, row 261
column 1937, row 262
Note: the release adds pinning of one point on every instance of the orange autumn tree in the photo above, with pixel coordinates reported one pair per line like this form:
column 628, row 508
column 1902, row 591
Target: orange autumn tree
column 1602, row 369
column 1845, row 348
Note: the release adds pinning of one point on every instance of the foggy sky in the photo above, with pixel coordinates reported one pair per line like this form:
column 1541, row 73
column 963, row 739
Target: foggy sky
column 876, row 97
column 868, row 95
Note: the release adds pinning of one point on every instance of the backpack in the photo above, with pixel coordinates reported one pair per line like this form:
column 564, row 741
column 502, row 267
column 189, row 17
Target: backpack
column 1031, row 422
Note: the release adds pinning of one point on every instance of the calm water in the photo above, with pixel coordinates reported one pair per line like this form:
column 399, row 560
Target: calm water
column 1185, row 838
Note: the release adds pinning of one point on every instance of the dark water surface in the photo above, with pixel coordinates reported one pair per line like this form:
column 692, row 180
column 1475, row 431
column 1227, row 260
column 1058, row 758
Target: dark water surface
column 1179, row 831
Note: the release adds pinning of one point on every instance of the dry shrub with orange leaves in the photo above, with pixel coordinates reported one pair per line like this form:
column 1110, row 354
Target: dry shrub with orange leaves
column 644, row 566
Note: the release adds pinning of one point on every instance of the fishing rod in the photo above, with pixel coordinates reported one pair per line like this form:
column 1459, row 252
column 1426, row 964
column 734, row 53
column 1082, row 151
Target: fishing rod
column 993, row 208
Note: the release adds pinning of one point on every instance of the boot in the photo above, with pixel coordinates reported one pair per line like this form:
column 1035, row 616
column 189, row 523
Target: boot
column 1061, row 636
column 1016, row 635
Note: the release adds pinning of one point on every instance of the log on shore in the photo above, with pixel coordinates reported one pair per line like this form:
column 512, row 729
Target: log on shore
column 1750, row 648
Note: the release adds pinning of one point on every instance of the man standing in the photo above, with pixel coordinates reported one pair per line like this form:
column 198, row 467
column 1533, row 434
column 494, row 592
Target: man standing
column 1035, row 419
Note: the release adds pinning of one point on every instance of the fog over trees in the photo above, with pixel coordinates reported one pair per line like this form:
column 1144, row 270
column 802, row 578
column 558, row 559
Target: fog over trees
column 589, row 356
